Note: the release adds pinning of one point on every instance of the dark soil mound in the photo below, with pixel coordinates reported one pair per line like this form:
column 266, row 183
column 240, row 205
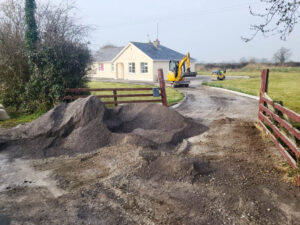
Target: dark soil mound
column 86, row 125
column 153, row 122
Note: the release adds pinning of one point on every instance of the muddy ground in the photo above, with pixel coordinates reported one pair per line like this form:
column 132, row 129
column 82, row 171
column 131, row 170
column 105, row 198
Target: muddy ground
column 230, row 174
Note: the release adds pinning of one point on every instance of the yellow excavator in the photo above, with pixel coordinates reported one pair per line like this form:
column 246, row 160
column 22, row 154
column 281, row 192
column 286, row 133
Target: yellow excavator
column 179, row 70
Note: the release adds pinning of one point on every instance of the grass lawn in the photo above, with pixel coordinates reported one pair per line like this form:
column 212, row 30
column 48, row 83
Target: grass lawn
column 283, row 86
column 19, row 118
column 173, row 97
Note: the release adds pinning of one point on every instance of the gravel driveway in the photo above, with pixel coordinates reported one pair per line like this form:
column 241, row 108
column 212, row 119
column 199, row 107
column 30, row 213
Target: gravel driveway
column 229, row 174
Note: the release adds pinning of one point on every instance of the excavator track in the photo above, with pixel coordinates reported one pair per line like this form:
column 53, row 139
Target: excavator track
column 181, row 84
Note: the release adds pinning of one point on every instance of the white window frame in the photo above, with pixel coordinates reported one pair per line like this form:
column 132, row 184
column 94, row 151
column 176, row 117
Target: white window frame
column 131, row 67
column 144, row 67
column 112, row 67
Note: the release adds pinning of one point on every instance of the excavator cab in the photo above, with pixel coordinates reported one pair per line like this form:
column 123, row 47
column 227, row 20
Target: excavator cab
column 173, row 67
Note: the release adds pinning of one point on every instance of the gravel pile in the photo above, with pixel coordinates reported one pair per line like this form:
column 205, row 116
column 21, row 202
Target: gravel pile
column 86, row 125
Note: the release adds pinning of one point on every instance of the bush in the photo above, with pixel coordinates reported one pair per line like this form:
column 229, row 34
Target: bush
column 58, row 67
column 58, row 62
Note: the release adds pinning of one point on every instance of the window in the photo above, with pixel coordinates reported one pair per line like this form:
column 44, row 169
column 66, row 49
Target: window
column 112, row 67
column 172, row 65
column 101, row 67
column 144, row 67
column 131, row 67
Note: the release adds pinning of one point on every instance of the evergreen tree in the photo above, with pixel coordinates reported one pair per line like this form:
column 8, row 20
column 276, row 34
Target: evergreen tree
column 31, row 34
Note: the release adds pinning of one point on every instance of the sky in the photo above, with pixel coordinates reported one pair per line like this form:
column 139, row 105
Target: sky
column 210, row 30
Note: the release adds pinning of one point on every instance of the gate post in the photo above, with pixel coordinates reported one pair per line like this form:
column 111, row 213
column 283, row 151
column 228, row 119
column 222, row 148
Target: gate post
column 264, row 82
column 162, row 86
column 115, row 97
column 263, row 88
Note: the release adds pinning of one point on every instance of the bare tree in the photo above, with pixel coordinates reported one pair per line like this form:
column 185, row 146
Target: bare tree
column 279, row 17
column 14, row 68
column 282, row 55
column 55, row 23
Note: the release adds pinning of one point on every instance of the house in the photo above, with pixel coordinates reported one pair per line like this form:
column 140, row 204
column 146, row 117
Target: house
column 135, row 61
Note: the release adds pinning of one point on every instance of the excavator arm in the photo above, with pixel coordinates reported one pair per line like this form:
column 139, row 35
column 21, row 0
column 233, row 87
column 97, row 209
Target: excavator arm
column 181, row 64
column 181, row 74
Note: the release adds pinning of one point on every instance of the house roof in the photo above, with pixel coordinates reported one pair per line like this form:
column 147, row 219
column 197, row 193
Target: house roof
column 107, row 54
column 159, row 53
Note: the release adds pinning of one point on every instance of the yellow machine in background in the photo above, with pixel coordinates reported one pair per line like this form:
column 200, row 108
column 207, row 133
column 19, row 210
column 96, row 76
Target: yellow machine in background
column 179, row 70
column 218, row 74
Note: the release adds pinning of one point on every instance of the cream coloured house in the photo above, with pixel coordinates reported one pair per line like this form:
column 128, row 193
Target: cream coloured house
column 135, row 61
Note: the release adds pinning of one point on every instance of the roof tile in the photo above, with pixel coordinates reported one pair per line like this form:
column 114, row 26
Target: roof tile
column 158, row 53
column 107, row 54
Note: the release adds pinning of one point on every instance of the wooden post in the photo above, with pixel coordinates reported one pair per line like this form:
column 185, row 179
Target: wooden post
column 115, row 97
column 264, row 81
column 162, row 86
column 263, row 88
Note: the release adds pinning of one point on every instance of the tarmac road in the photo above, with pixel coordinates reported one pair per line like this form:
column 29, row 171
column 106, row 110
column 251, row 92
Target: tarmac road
column 206, row 104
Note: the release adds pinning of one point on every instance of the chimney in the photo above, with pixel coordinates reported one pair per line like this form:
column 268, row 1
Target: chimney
column 156, row 43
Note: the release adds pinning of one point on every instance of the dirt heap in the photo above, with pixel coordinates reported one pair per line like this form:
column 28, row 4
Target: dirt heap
column 86, row 125
column 153, row 122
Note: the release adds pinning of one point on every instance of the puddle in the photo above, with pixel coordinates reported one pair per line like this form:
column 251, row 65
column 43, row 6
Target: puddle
column 19, row 173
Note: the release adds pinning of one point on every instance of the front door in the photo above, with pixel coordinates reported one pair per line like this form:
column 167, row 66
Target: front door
column 120, row 71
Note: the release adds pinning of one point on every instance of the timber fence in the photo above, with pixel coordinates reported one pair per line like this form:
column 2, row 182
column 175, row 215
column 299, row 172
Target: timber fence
column 279, row 123
column 157, row 94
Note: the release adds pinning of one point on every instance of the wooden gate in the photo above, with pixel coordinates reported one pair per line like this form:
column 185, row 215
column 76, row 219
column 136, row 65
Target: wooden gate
column 159, row 93
column 277, row 121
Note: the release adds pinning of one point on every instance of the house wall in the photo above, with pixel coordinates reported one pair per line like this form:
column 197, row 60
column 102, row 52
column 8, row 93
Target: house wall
column 161, row 65
column 192, row 65
column 106, row 73
column 133, row 54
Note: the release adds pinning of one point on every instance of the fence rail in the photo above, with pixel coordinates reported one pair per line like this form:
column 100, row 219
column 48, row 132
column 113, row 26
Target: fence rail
column 275, row 121
column 157, row 92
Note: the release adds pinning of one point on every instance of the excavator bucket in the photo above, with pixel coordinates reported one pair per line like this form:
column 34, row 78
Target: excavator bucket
column 189, row 74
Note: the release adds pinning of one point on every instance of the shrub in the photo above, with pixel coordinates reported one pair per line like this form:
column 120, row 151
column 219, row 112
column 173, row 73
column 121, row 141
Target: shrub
column 58, row 67
column 34, row 81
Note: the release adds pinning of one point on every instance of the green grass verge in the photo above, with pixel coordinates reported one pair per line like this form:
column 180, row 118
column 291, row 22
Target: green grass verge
column 173, row 97
column 282, row 86
column 19, row 118
column 254, row 70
